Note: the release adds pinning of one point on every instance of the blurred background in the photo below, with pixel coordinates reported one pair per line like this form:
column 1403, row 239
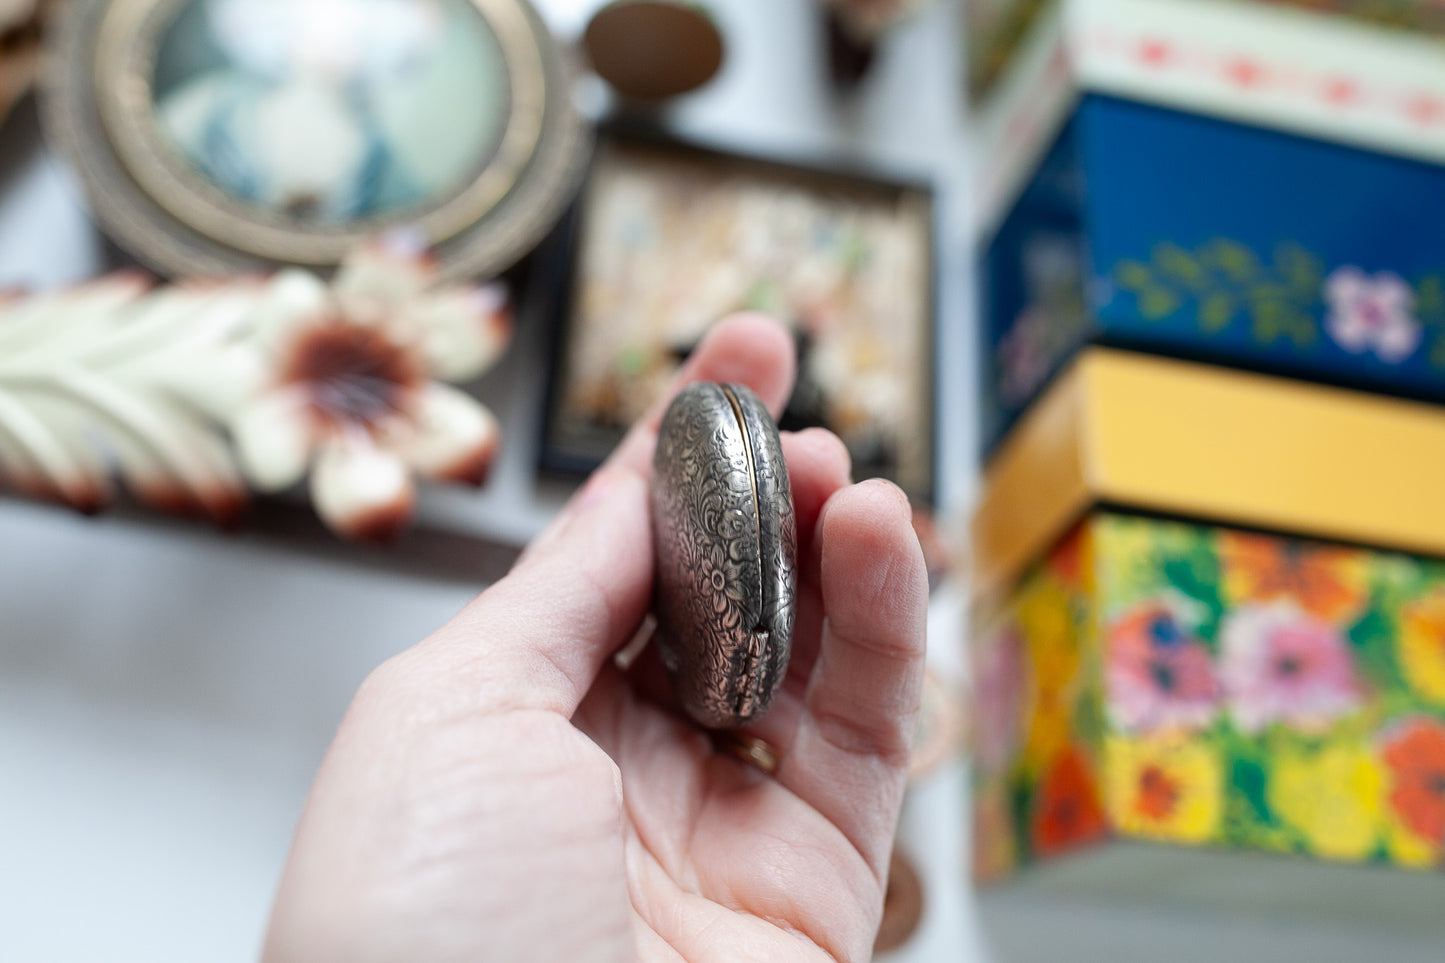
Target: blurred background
column 1141, row 301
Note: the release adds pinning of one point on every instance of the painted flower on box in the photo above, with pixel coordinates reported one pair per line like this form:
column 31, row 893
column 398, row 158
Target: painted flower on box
column 998, row 698
column 1331, row 797
column 1413, row 751
column 1051, row 640
column 1420, row 644
column 1169, row 789
column 1327, row 582
column 1067, row 812
column 1071, row 561
column 357, row 389
column 1024, row 356
column 994, row 847
column 1372, row 313
column 1282, row 665
column 1158, row 672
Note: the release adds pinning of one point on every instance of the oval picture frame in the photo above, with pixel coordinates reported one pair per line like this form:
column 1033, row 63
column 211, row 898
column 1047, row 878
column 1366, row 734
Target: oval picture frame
column 177, row 174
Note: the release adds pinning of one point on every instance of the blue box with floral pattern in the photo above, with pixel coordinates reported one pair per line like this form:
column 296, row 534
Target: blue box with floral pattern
column 1155, row 230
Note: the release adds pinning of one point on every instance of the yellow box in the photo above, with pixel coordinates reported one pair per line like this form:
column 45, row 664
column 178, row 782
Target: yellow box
column 1210, row 631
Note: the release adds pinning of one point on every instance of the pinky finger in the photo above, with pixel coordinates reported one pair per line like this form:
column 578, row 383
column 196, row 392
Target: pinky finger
column 849, row 758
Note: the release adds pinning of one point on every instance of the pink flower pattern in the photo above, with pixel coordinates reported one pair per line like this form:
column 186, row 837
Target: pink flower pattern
column 998, row 698
column 1159, row 673
column 1372, row 314
column 1280, row 664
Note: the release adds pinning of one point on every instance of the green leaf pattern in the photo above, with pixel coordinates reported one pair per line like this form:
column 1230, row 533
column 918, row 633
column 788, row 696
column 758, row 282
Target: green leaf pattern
column 1223, row 285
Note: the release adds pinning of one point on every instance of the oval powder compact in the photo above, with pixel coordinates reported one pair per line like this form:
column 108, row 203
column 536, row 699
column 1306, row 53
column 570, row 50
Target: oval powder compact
column 726, row 544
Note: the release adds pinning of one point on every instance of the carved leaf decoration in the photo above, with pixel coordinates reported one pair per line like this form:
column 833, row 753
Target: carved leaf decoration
column 191, row 395
column 111, row 380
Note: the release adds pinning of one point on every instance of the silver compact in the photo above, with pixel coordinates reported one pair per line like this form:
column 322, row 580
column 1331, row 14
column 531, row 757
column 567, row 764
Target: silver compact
column 726, row 546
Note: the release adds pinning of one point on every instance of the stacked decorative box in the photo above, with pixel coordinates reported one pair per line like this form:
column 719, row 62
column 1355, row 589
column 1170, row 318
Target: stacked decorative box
column 1211, row 606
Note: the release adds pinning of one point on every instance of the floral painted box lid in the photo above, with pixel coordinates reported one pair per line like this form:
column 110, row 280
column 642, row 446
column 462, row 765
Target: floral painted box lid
column 1164, row 231
column 1368, row 73
column 1184, row 636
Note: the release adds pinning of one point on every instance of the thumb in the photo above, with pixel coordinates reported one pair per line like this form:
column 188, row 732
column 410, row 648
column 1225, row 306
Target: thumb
column 537, row 638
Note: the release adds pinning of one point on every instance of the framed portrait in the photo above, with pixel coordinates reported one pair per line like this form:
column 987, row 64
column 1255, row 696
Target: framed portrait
column 669, row 238
column 218, row 136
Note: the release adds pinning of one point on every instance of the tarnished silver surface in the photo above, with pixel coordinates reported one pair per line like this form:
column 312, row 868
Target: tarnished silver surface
column 726, row 541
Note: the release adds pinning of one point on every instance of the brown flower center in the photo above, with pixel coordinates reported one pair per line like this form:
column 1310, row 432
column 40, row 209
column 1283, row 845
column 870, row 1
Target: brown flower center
column 352, row 375
column 1158, row 793
column 1289, row 666
column 1164, row 676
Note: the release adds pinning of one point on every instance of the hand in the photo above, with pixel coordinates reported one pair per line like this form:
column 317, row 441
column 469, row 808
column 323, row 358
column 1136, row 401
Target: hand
column 503, row 792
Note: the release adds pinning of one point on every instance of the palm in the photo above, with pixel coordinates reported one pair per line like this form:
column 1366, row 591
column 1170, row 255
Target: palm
column 502, row 792
column 719, row 857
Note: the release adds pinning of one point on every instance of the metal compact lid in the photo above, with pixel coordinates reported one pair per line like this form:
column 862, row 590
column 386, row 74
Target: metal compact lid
column 726, row 544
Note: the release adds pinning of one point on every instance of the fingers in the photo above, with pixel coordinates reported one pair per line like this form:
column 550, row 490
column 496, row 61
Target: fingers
column 818, row 465
column 748, row 349
column 537, row 638
column 849, row 755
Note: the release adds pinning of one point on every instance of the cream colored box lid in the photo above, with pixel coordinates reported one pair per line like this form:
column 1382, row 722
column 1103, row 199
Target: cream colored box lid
column 1282, row 67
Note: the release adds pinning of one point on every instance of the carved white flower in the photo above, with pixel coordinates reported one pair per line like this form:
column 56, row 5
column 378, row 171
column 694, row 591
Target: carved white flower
column 355, row 392
column 1372, row 313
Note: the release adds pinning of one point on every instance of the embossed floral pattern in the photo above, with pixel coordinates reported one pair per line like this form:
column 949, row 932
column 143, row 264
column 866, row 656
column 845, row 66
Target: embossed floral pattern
column 725, row 611
column 1372, row 313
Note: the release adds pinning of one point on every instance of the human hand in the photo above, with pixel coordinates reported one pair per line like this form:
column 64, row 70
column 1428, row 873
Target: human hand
column 503, row 791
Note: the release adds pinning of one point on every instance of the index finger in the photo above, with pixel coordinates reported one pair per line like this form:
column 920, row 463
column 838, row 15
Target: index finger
column 748, row 349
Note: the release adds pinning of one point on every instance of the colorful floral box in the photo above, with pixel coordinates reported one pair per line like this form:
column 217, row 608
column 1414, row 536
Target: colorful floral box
column 1198, row 682
column 1241, row 231
column 1201, row 685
